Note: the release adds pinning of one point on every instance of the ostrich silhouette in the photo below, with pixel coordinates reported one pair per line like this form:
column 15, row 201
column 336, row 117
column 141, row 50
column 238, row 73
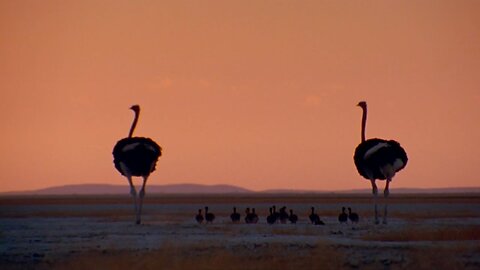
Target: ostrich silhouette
column 283, row 215
column 313, row 217
column 292, row 217
column 199, row 216
column 235, row 217
column 209, row 217
column 352, row 216
column 271, row 218
column 343, row 217
column 136, row 156
column 378, row 159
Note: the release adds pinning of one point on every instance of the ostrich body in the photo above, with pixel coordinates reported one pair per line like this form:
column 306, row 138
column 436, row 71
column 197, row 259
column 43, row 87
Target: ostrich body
column 343, row 217
column 378, row 159
column 251, row 217
column 318, row 221
column 292, row 217
column 271, row 219
column 283, row 215
column 235, row 217
column 136, row 156
column 209, row 217
column 352, row 216
column 313, row 217
column 199, row 216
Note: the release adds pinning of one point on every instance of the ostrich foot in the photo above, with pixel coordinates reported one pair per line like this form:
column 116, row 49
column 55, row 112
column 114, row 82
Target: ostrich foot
column 138, row 218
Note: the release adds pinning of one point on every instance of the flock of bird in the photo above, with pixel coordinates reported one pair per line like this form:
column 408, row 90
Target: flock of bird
column 375, row 159
column 282, row 216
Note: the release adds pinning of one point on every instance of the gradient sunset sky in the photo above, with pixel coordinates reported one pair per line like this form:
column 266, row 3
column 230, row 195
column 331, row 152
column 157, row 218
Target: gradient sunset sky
column 259, row 94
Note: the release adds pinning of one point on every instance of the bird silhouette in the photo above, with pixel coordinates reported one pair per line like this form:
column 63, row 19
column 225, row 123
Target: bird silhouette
column 136, row 156
column 313, row 217
column 283, row 215
column 343, row 217
column 199, row 216
column 292, row 217
column 378, row 159
column 271, row 218
column 209, row 217
column 352, row 216
column 235, row 217
column 247, row 216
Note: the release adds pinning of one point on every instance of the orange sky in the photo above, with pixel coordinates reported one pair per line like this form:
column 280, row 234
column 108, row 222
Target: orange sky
column 259, row 94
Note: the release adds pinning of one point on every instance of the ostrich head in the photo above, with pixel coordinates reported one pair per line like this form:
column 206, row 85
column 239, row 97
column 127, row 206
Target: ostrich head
column 135, row 108
column 362, row 104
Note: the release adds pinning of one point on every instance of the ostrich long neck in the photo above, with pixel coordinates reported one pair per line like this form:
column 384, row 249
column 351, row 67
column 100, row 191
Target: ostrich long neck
column 364, row 122
column 134, row 124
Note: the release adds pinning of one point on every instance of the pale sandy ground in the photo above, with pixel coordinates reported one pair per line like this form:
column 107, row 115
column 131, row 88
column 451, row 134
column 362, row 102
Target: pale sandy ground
column 58, row 235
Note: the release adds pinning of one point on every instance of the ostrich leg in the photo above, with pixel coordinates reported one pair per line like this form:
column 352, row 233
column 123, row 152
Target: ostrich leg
column 375, row 195
column 133, row 192
column 141, row 194
column 386, row 192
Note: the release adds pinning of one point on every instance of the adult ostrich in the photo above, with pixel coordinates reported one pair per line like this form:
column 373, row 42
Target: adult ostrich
column 378, row 159
column 136, row 156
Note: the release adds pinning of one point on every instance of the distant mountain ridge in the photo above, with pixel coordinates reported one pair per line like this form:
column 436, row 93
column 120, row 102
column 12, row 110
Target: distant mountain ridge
column 95, row 189
column 87, row 189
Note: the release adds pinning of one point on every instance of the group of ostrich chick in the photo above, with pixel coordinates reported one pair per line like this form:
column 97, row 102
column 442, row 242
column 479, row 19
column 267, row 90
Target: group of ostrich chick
column 375, row 159
column 282, row 216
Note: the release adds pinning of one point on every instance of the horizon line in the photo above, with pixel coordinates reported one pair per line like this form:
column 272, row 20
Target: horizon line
column 241, row 189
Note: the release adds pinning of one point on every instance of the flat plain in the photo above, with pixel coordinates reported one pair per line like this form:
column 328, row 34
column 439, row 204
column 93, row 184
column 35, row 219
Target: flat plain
column 425, row 231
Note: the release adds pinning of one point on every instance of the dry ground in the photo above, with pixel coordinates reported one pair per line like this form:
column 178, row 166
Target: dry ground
column 97, row 232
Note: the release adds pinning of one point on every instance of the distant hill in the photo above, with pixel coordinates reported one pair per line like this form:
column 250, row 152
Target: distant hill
column 87, row 189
